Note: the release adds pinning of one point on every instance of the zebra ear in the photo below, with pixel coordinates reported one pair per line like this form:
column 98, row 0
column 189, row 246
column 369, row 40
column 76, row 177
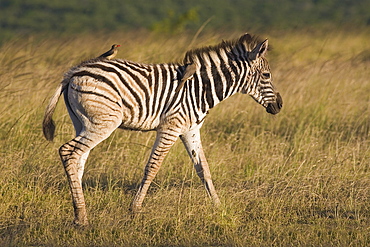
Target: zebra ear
column 259, row 51
column 245, row 38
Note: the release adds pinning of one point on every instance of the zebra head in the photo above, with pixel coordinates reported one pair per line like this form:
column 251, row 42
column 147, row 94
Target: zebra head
column 258, row 82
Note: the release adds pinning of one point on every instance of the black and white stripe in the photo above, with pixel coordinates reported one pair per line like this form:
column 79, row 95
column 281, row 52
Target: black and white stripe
column 102, row 95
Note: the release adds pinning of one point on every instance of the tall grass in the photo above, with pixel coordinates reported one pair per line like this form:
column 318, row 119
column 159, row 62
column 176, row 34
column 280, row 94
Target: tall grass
column 300, row 178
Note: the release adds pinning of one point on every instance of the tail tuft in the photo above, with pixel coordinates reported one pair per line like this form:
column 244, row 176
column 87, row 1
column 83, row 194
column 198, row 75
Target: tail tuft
column 48, row 125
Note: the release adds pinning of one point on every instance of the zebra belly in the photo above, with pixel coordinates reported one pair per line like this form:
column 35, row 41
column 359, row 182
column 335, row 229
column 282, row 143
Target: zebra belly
column 143, row 125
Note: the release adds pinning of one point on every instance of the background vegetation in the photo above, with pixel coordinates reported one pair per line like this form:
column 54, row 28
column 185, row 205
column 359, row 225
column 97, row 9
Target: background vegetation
column 300, row 178
column 76, row 17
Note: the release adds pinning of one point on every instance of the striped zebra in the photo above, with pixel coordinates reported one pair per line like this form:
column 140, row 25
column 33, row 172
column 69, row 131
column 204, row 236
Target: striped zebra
column 102, row 95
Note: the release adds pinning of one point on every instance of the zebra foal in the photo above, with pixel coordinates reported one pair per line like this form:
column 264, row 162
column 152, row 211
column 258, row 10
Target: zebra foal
column 102, row 95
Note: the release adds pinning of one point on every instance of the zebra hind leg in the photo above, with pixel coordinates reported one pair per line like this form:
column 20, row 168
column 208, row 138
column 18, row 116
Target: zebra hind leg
column 71, row 154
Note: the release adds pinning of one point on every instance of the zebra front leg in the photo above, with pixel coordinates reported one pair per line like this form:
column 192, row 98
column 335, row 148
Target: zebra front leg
column 161, row 147
column 193, row 145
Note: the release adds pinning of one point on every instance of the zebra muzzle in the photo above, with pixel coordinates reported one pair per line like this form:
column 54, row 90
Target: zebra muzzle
column 274, row 108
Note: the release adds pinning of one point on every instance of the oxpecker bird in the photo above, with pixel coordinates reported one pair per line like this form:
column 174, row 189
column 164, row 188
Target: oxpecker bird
column 111, row 53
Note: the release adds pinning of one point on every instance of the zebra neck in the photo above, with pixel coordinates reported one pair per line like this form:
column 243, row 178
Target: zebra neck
column 213, row 84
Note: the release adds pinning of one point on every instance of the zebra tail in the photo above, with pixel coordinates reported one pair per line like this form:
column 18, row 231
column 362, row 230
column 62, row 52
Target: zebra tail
column 48, row 125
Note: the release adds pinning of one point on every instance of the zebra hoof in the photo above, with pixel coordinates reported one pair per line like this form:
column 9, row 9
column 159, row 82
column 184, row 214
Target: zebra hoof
column 136, row 209
column 81, row 222
column 216, row 203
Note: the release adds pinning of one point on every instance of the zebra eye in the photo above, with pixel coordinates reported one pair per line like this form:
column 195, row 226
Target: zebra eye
column 267, row 75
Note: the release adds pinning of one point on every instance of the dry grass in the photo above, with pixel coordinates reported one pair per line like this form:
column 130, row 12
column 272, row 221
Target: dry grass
column 300, row 178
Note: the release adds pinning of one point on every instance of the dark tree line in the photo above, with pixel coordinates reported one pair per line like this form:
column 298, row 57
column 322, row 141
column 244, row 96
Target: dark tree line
column 71, row 16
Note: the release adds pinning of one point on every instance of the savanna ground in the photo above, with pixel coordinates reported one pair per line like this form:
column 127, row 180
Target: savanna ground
column 300, row 178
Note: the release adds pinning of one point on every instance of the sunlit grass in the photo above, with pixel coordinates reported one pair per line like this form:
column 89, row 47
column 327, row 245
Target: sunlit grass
column 298, row 178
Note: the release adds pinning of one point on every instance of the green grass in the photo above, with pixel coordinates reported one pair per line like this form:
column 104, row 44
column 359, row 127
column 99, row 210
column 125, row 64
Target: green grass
column 300, row 178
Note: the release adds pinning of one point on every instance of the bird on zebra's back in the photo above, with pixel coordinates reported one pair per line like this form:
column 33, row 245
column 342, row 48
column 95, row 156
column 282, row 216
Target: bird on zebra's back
column 188, row 74
column 111, row 53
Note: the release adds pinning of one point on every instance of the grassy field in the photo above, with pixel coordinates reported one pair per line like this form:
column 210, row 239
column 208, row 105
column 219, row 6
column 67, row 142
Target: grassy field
column 300, row 178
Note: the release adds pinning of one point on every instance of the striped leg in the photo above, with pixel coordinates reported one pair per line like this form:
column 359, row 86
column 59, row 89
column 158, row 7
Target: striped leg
column 74, row 154
column 193, row 145
column 71, row 153
column 162, row 145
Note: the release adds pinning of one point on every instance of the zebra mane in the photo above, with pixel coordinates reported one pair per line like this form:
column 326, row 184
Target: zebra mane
column 244, row 42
